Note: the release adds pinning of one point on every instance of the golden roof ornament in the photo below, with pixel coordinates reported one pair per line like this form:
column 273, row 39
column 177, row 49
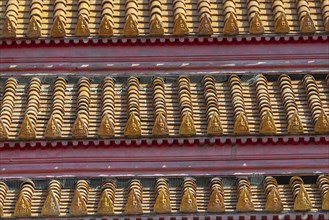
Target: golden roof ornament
column 133, row 205
column 323, row 185
column 23, row 207
column 78, row 205
column 281, row 24
column 106, row 128
column 133, row 126
column 322, row 124
column 273, row 198
column 27, row 130
column 244, row 203
column 216, row 202
column 231, row 25
column 307, row 25
column 160, row 127
column 187, row 127
column 295, row 125
column 51, row 205
column 3, row 131
column 267, row 124
column 52, row 128
column 34, row 30
column 131, row 27
column 180, row 26
column 205, row 26
column 214, row 125
column 256, row 25
column 156, row 26
column 162, row 202
column 302, row 201
column 188, row 203
column 106, row 28
column 58, row 28
column 105, row 205
column 79, row 128
column 8, row 30
column 82, row 27
column 241, row 125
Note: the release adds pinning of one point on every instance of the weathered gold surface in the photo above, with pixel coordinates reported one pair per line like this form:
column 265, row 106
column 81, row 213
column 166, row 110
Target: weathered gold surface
column 205, row 27
column 162, row 202
column 105, row 205
column 241, row 125
column 3, row 132
column 256, row 25
column 216, row 202
column 281, row 24
column 27, row 130
column 180, row 26
column 133, row 126
column 52, row 129
column 188, row 203
column 160, row 127
column 156, row 26
column 231, row 25
column 307, row 24
column 23, row 207
column 322, row 124
column 273, row 201
column 105, row 28
column 267, row 124
column 82, row 27
column 244, row 203
column 106, row 128
column 295, row 124
column 34, row 30
column 214, row 125
column 58, row 28
column 131, row 27
column 78, row 205
column 133, row 205
column 302, row 200
column 8, row 30
column 79, row 128
column 51, row 206
column 187, row 127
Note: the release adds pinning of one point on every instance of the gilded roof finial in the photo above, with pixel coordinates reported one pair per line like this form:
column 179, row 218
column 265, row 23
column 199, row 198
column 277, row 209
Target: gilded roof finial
column 23, row 206
column 180, row 25
column 273, row 198
column 80, row 199
column 323, row 184
column 231, row 26
column 156, row 23
column 281, row 24
column 244, row 203
column 162, row 197
column 51, row 207
column 216, row 199
column 10, row 19
column 304, row 15
column 205, row 20
column 135, row 198
column 82, row 26
column 188, row 202
column 106, row 202
column 131, row 23
column 302, row 201
column 58, row 28
column 255, row 21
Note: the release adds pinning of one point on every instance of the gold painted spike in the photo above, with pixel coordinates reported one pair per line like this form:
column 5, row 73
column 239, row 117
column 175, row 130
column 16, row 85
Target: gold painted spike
column 187, row 127
column 205, row 26
column 295, row 124
column 131, row 27
column 322, row 124
column 9, row 30
column 3, row 131
column 307, row 25
column 241, row 125
column 34, row 30
column 79, row 128
column 51, row 205
column 160, row 127
column 216, row 202
column 134, row 205
column 256, row 25
column 105, row 29
column 188, row 203
column 267, row 124
column 244, row 203
column 180, row 26
column 106, row 128
column 133, row 126
column 214, row 125
column 82, row 28
column 27, row 129
column 231, row 25
column 52, row 129
column 78, row 205
column 23, row 207
column 58, row 28
column 156, row 27
column 162, row 203
column 325, row 201
column 273, row 201
column 282, row 25
column 105, row 205
column 302, row 200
